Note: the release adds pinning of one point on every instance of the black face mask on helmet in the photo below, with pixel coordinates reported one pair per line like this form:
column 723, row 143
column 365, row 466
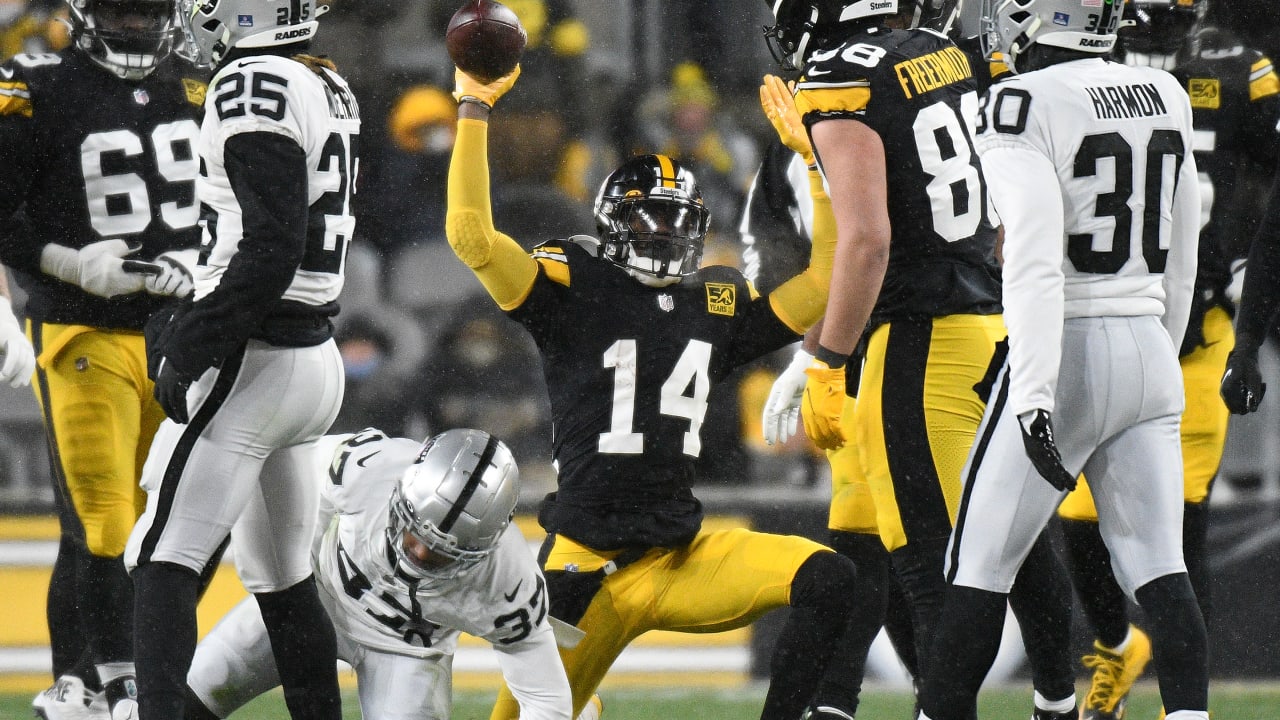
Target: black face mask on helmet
column 128, row 37
column 651, row 219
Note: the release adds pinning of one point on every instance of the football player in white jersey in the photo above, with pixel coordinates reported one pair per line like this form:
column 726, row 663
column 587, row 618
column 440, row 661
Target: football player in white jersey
column 248, row 373
column 414, row 545
column 1091, row 169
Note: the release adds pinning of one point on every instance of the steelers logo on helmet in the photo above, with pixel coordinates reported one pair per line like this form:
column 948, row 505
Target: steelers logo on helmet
column 451, row 506
column 652, row 220
column 127, row 37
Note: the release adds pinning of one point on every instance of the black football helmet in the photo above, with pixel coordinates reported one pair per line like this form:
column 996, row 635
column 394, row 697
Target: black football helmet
column 798, row 24
column 1154, row 32
column 651, row 220
column 128, row 37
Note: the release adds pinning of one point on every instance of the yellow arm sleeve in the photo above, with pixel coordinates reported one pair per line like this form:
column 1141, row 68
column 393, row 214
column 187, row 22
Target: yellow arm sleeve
column 801, row 301
column 502, row 266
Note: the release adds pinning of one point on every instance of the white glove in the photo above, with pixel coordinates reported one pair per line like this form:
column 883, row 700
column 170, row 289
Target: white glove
column 98, row 268
column 174, row 277
column 782, row 410
column 17, row 358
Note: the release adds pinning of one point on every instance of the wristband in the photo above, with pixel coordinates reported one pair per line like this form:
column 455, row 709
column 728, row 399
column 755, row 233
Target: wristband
column 833, row 359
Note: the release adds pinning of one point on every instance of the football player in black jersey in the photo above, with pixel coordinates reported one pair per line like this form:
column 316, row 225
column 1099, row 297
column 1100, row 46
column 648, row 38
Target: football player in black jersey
column 633, row 335
column 916, row 287
column 1235, row 103
column 97, row 144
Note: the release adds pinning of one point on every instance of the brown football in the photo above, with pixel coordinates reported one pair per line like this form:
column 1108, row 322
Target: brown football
column 485, row 39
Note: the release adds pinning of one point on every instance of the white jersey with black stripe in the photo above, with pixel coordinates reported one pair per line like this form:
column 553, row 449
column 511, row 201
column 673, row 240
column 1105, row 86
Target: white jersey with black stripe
column 315, row 109
column 502, row 599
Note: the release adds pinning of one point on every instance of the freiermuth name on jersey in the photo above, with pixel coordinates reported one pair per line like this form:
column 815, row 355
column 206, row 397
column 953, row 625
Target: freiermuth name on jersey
column 1113, row 102
column 938, row 69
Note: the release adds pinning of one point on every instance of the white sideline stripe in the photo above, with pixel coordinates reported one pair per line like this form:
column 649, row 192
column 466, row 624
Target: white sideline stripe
column 481, row 659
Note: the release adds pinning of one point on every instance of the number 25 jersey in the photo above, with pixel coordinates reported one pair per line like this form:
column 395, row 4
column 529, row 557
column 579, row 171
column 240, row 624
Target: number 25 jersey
column 916, row 90
column 628, row 370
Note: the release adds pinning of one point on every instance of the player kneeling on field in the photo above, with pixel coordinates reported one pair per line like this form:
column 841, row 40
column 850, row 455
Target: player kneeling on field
column 415, row 545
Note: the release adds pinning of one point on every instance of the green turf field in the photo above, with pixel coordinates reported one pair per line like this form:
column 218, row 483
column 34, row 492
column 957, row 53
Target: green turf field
column 1229, row 702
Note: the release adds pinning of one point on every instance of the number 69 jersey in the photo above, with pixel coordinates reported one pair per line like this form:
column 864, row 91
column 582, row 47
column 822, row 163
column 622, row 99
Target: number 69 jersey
column 88, row 157
column 502, row 599
column 917, row 91
column 312, row 106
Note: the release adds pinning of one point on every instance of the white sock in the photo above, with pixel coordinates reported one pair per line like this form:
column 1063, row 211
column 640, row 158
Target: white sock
column 110, row 671
column 1066, row 704
column 1188, row 715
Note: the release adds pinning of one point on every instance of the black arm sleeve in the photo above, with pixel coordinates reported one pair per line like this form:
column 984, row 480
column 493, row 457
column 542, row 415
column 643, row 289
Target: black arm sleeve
column 268, row 173
column 17, row 150
column 1261, row 294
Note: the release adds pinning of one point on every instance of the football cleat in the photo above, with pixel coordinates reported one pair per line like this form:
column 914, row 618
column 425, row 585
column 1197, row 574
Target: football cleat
column 594, row 709
column 1113, row 676
column 125, row 710
column 68, row 699
column 825, row 712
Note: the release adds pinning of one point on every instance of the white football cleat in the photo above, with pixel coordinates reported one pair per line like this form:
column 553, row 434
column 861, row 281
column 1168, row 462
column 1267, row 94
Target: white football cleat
column 68, row 699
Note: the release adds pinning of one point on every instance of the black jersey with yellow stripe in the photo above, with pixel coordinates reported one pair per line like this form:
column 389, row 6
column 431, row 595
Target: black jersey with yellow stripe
column 629, row 369
column 916, row 89
column 1235, row 105
column 89, row 157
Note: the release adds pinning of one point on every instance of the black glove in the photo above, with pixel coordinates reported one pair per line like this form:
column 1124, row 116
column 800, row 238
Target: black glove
column 171, row 391
column 1242, row 387
column 1037, row 438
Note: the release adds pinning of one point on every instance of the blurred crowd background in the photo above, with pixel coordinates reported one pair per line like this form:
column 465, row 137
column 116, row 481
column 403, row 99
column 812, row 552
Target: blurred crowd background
column 424, row 346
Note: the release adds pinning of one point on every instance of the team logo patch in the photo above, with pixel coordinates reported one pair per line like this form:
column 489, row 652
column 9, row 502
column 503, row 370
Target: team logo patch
column 666, row 302
column 1206, row 93
column 141, row 97
column 1061, row 18
column 244, row 20
column 195, row 91
column 721, row 298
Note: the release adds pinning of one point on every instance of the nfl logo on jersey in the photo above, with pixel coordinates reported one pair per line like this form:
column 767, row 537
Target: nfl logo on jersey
column 244, row 20
column 141, row 97
column 1061, row 18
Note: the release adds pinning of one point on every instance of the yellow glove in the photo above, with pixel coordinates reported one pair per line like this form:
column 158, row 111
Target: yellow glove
column 780, row 107
column 823, row 404
column 466, row 86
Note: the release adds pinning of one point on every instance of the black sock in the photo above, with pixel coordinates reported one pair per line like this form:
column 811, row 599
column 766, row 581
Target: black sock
column 898, row 625
column 1041, row 600
column 211, row 567
column 1195, row 532
column 821, row 600
column 1181, row 653
column 1104, row 603
column 919, row 565
column 196, row 709
column 164, row 636
column 305, row 649
column 106, row 608
column 965, row 644
column 842, row 681
column 66, row 639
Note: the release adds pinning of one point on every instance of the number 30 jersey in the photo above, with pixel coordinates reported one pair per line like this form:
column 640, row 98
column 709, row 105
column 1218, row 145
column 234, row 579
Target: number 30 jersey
column 315, row 109
column 628, row 370
column 88, row 157
column 502, row 599
column 916, row 90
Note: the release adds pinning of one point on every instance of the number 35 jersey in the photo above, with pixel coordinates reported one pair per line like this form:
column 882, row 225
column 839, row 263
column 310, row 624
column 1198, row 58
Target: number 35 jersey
column 88, row 157
column 916, row 90
column 315, row 109
column 502, row 599
column 628, row 370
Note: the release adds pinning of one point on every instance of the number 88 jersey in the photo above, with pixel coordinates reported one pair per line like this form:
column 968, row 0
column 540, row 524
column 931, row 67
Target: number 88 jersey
column 916, row 90
column 88, row 157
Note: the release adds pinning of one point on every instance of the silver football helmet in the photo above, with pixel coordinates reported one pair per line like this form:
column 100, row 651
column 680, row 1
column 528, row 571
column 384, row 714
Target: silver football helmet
column 213, row 27
column 128, row 37
column 456, row 499
column 1011, row 26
